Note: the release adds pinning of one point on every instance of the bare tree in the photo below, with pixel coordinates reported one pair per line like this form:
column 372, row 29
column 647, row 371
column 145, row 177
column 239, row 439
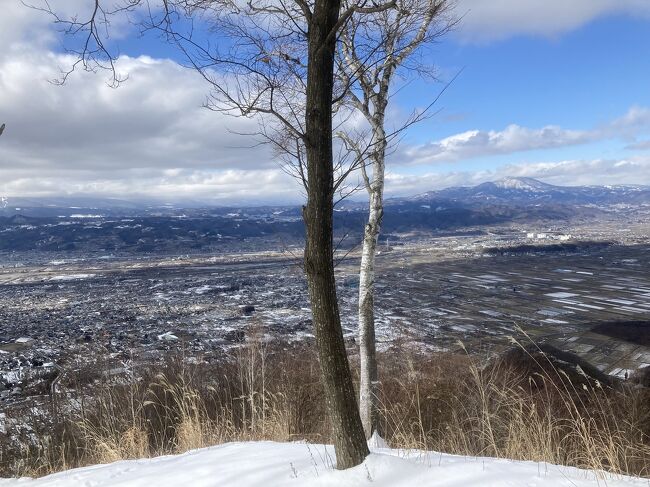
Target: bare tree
column 373, row 50
column 272, row 59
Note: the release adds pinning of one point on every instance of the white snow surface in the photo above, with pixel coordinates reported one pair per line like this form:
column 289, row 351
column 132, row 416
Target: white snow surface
column 524, row 184
column 268, row 464
column 71, row 277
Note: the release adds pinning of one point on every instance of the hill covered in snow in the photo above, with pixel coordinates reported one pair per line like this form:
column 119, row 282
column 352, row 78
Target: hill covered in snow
column 521, row 190
column 267, row 464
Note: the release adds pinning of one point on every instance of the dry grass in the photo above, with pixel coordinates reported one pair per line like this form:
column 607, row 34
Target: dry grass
column 441, row 402
column 499, row 411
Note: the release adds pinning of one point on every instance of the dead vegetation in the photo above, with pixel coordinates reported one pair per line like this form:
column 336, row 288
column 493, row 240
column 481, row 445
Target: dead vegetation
column 521, row 406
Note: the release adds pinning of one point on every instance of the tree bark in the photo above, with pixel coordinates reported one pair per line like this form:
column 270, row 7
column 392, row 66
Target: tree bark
column 369, row 380
column 349, row 440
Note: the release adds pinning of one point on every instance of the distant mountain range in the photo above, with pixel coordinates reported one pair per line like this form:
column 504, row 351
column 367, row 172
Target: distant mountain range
column 506, row 191
column 516, row 192
column 519, row 191
column 111, row 225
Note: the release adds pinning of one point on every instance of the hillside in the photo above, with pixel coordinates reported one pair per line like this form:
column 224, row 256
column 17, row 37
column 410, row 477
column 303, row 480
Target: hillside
column 105, row 225
column 514, row 190
column 267, row 464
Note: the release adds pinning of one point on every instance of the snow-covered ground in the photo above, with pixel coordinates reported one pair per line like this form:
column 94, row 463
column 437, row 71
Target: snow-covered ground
column 268, row 464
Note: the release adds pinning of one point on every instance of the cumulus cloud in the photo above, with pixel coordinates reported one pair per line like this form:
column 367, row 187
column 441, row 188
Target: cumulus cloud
column 231, row 186
column 153, row 123
column 586, row 172
column 514, row 138
column 155, row 120
column 486, row 21
column 152, row 138
column 629, row 124
column 152, row 135
column 476, row 143
column 564, row 173
column 22, row 27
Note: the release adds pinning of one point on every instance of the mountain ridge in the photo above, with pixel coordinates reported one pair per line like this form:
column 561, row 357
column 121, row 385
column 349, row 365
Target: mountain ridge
column 529, row 190
column 508, row 191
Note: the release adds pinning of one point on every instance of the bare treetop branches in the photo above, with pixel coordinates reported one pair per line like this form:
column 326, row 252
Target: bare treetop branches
column 376, row 47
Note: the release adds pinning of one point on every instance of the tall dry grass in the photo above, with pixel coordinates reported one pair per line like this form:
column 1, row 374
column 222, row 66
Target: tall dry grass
column 443, row 402
column 186, row 407
column 542, row 414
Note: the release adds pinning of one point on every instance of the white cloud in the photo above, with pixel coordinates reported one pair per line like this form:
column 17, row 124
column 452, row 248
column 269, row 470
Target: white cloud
column 155, row 120
column 151, row 134
column 634, row 170
column 514, row 138
column 640, row 145
column 489, row 20
column 22, row 27
column 629, row 124
column 229, row 186
column 477, row 143
column 151, row 137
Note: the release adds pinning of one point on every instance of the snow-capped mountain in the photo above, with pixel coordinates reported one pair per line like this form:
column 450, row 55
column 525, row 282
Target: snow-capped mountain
column 522, row 184
column 519, row 190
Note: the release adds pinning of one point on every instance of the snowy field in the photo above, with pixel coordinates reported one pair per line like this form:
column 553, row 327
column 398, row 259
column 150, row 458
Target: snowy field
column 267, row 464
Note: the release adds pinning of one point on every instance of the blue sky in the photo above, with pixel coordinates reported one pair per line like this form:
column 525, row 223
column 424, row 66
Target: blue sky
column 550, row 89
column 578, row 80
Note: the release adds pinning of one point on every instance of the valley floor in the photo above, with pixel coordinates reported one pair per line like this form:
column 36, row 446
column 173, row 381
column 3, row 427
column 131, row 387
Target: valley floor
column 267, row 464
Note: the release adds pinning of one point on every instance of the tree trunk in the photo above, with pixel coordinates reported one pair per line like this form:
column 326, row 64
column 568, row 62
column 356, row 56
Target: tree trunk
column 368, row 400
column 349, row 441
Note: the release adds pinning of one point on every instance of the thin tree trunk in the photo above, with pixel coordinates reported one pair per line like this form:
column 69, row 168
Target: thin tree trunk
column 349, row 441
column 369, row 380
column 373, row 49
column 368, row 399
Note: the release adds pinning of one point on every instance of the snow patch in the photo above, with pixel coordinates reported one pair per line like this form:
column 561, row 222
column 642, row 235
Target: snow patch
column 71, row 277
column 264, row 464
